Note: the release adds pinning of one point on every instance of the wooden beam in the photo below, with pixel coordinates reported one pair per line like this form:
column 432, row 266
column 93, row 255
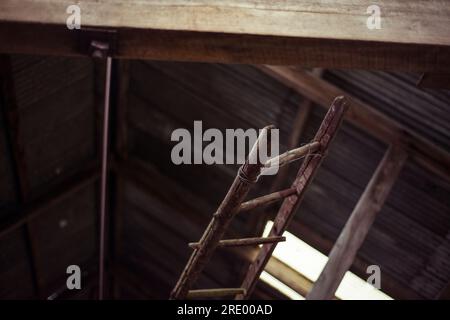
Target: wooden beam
column 413, row 35
column 365, row 117
column 358, row 225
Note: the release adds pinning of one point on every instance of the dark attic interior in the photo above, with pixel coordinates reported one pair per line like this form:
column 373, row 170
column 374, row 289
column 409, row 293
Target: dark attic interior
column 371, row 198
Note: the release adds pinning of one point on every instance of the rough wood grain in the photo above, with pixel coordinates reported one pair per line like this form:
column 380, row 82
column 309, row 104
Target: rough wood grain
column 413, row 35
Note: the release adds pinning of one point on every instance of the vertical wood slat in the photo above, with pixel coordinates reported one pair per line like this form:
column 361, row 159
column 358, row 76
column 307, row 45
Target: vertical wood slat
column 305, row 175
column 355, row 230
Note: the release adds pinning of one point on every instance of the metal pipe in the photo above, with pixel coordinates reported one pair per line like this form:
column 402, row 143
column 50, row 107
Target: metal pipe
column 103, row 181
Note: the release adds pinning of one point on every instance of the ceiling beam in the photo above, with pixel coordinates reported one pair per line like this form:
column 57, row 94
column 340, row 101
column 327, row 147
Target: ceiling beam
column 413, row 35
column 366, row 117
column 358, row 225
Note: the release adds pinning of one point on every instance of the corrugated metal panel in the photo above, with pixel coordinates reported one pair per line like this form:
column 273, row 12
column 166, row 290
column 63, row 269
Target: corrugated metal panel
column 425, row 112
column 55, row 97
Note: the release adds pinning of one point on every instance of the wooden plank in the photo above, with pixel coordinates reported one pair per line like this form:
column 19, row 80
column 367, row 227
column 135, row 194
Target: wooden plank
column 305, row 175
column 414, row 22
column 366, row 118
column 413, row 35
column 352, row 236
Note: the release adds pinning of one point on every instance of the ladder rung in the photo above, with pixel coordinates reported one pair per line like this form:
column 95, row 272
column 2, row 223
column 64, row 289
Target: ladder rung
column 242, row 242
column 214, row 293
column 269, row 198
column 293, row 154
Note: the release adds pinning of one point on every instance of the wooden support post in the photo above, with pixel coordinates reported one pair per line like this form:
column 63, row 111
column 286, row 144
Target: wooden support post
column 247, row 175
column 359, row 223
column 264, row 200
column 214, row 293
column 305, row 175
column 242, row 242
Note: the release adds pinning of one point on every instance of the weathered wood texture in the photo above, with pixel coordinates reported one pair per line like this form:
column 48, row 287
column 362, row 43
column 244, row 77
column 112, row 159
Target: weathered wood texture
column 352, row 236
column 413, row 36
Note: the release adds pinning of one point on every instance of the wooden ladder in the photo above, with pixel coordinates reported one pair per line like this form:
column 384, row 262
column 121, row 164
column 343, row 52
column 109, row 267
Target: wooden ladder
column 313, row 153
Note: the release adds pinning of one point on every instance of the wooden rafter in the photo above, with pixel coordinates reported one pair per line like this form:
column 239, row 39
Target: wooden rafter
column 366, row 118
column 413, row 35
column 355, row 231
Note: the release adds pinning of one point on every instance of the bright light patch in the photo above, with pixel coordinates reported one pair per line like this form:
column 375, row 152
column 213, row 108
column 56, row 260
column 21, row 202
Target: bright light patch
column 310, row 262
column 280, row 286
